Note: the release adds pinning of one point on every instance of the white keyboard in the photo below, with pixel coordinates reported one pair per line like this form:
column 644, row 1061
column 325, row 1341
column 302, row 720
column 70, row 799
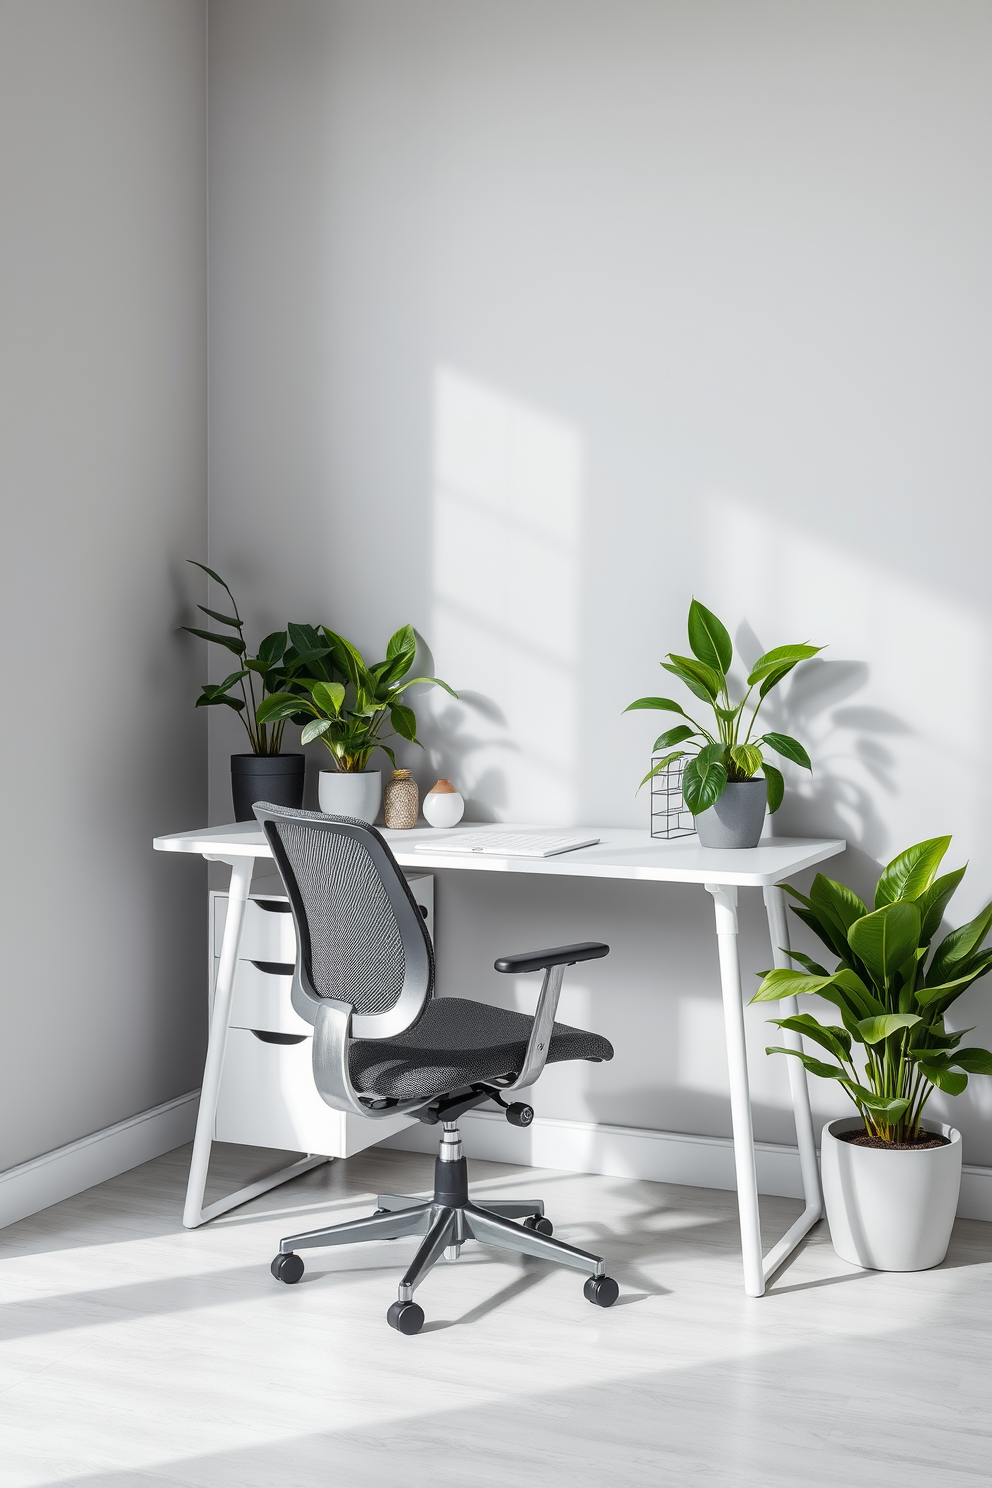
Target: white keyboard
column 508, row 844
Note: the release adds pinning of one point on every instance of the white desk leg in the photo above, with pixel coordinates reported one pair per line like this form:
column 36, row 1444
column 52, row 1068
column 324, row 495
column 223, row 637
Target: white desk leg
column 194, row 1213
column 725, row 905
column 778, row 929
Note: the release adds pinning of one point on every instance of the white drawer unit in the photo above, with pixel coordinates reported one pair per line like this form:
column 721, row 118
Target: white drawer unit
column 268, row 1099
column 267, row 1094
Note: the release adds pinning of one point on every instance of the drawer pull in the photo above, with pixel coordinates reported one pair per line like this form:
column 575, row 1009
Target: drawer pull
column 273, row 906
column 278, row 1038
column 275, row 968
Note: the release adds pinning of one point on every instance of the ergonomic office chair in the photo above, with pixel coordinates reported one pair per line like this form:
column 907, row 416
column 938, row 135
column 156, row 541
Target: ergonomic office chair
column 384, row 1045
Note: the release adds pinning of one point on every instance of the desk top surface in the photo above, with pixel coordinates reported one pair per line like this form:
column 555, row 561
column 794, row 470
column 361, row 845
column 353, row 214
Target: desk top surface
column 622, row 852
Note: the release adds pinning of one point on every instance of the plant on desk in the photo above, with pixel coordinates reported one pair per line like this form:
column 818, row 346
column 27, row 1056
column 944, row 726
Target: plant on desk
column 889, row 1206
column 265, row 773
column 348, row 714
column 726, row 758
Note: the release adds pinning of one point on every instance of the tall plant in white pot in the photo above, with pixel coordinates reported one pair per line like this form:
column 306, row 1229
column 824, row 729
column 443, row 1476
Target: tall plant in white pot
column 890, row 1178
column 349, row 716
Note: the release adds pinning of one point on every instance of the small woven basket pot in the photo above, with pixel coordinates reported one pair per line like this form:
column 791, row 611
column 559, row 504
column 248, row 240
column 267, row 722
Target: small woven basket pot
column 401, row 803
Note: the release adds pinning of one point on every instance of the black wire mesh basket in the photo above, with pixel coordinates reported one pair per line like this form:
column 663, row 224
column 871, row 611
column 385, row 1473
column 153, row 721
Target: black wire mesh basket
column 670, row 816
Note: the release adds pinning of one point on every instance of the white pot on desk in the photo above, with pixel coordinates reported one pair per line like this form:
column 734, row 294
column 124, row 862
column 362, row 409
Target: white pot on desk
column 356, row 793
column 443, row 805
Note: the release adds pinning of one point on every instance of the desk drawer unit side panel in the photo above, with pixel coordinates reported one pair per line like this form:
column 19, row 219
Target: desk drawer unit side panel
column 267, row 1095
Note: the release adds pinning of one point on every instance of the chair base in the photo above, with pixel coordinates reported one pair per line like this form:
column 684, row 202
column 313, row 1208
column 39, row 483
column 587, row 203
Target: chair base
column 445, row 1222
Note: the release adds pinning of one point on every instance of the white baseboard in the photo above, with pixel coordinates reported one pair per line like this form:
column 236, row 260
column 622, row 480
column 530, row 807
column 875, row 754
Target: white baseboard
column 103, row 1154
column 638, row 1152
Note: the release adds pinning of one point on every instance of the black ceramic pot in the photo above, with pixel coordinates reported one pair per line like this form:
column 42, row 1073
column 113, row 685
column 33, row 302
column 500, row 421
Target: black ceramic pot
column 266, row 777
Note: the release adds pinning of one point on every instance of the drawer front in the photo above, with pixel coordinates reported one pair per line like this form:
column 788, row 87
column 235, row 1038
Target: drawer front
column 262, row 999
column 268, row 1099
column 268, row 935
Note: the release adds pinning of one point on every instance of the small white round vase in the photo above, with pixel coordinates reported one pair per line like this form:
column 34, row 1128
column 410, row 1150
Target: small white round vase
column 443, row 806
column 356, row 794
column 890, row 1211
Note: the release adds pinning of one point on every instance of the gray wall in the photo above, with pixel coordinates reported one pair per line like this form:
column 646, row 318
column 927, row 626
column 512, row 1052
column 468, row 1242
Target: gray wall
column 103, row 480
column 529, row 320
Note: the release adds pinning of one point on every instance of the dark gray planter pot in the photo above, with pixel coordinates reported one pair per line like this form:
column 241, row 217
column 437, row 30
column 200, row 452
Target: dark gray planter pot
column 737, row 818
column 266, row 777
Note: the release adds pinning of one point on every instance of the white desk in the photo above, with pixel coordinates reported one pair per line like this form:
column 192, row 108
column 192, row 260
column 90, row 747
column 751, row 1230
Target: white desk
column 622, row 853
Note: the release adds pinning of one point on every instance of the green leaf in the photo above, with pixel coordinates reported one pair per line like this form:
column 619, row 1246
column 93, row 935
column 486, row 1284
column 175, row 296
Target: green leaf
column 773, row 660
column 662, row 764
column 281, row 705
column 404, row 721
column 955, row 947
column 784, row 982
column 314, row 729
column 912, row 872
column 927, row 995
column 347, row 658
column 790, row 748
column 328, row 696
column 233, row 643
column 776, row 785
column 209, row 571
column 306, row 642
column 699, row 678
column 837, row 905
column 747, row 758
column 944, row 1079
column 728, row 714
column 882, row 1105
column 402, row 640
column 703, row 784
column 661, row 705
column 272, row 648
column 435, row 681
column 231, row 620
column 815, row 1066
column 874, row 1030
column 708, row 638
column 837, row 1041
column 677, row 735
column 209, row 700
column 933, row 902
column 884, row 938
column 774, row 678
column 975, row 1061
column 859, row 996
column 811, row 966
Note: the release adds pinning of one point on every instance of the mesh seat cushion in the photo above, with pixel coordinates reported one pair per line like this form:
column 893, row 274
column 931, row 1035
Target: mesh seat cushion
column 455, row 1043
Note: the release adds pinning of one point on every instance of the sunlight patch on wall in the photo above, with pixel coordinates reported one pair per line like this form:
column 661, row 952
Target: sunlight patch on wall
column 506, row 592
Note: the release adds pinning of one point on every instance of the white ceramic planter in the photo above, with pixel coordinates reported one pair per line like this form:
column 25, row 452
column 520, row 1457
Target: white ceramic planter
column 358, row 795
column 890, row 1211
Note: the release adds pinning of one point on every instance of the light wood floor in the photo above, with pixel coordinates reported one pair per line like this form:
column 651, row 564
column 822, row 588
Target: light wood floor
column 138, row 1354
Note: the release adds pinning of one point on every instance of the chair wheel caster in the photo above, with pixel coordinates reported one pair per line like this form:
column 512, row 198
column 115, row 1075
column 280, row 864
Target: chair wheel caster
column 405, row 1317
column 601, row 1291
column 519, row 1115
column 287, row 1268
column 538, row 1223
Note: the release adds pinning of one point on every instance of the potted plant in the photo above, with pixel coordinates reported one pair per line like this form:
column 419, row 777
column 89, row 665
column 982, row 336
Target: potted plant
column 348, row 716
column 720, row 784
column 265, row 773
column 890, row 1179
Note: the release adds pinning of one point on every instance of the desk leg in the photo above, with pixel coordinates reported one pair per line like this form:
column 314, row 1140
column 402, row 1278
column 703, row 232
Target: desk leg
column 725, row 905
column 778, row 929
column 194, row 1213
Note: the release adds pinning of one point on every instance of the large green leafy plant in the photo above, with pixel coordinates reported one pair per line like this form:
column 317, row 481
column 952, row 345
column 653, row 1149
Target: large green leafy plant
column 892, row 988
column 728, row 751
column 272, row 669
column 348, row 712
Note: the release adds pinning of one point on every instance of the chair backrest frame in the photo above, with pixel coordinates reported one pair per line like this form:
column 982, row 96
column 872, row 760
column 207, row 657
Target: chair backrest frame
column 417, row 951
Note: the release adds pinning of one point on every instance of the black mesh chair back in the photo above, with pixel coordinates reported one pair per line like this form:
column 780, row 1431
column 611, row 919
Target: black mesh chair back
column 360, row 934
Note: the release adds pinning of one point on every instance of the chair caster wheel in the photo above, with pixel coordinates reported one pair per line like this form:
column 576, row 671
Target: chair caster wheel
column 601, row 1291
column 287, row 1268
column 519, row 1115
column 539, row 1224
column 405, row 1317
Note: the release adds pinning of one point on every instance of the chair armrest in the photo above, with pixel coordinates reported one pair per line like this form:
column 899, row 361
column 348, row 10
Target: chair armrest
column 586, row 950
